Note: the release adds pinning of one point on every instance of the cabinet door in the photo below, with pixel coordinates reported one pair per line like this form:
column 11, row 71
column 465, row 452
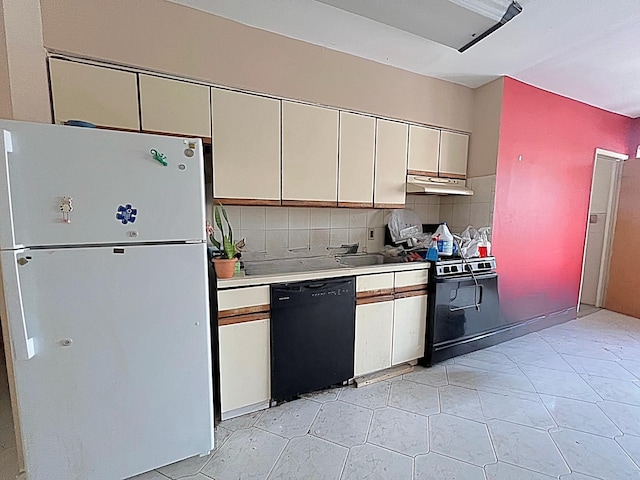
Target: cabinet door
column 309, row 154
column 374, row 329
column 356, row 160
column 172, row 106
column 409, row 324
column 454, row 148
column 245, row 374
column 104, row 96
column 424, row 146
column 391, row 164
column 246, row 146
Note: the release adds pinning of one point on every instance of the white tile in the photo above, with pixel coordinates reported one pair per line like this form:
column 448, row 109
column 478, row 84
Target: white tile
column 598, row 368
column 435, row 376
column 370, row 396
column 497, row 382
column 375, row 218
column 400, row 431
column 483, row 188
column 414, row 397
column 433, row 214
column 298, row 239
column 615, row 390
column 626, row 417
column 517, row 410
column 488, row 360
column 248, row 453
column 324, row 396
column 255, row 240
column 505, row 471
column 342, row 423
column 319, row 241
column 594, row 455
column 320, row 218
column 461, row 439
column 583, row 416
column 291, row 419
column 559, row 383
column 185, row 468
column 357, row 218
column 338, row 236
column 310, row 457
column 526, row 447
column 446, row 212
column 233, row 213
column 461, row 199
column 242, row 422
column 422, row 210
column 377, row 244
column 632, row 367
column 631, row 445
column 153, row 475
column 252, row 218
column 433, row 466
column 461, row 402
column 461, row 214
column 480, row 215
column 358, row 235
column 277, row 241
column 277, row 218
column 339, row 218
column 375, row 463
column 299, row 218
column 447, row 199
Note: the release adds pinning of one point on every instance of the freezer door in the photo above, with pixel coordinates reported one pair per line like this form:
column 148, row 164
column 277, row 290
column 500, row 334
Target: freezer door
column 121, row 379
column 73, row 186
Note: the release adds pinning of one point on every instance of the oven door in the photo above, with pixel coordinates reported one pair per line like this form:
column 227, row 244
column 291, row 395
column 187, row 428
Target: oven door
column 462, row 309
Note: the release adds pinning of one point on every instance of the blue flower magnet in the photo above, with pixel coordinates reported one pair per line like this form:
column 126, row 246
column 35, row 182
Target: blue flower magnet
column 126, row 214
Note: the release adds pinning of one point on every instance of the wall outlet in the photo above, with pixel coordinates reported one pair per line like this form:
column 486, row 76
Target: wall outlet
column 372, row 234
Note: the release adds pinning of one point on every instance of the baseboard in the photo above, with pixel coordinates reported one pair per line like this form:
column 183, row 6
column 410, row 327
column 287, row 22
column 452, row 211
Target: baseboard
column 244, row 410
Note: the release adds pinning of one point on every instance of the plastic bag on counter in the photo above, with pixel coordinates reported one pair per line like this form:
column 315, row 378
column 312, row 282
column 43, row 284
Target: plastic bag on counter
column 405, row 226
column 475, row 243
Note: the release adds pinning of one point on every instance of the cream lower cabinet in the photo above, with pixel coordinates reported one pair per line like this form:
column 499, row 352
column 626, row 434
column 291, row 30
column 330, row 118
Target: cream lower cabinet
column 409, row 328
column 245, row 375
column 374, row 330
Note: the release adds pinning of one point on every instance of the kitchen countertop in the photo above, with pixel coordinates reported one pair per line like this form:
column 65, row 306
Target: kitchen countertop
column 344, row 271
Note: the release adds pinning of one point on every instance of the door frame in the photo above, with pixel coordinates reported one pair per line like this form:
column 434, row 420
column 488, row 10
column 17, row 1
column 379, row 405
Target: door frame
column 612, row 213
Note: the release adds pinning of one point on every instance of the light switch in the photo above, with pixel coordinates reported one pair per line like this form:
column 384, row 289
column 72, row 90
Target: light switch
column 593, row 218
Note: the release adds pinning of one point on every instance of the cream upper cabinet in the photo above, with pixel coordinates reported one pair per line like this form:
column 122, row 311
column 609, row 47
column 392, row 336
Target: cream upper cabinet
column 173, row 106
column 409, row 327
column 454, row 148
column 309, row 154
column 246, row 146
column 356, row 159
column 424, row 147
column 374, row 330
column 245, row 373
column 391, row 164
column 103, row 96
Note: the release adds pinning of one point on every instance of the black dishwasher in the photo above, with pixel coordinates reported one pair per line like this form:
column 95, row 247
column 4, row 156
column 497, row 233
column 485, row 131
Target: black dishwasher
column 312, row 335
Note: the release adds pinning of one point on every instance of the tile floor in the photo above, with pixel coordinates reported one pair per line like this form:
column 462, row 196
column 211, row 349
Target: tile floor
column 561, row 403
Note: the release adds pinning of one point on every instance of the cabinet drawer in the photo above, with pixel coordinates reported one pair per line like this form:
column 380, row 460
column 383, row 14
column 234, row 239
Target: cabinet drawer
column 411, row 278
column 374, row 283
column 241, row 298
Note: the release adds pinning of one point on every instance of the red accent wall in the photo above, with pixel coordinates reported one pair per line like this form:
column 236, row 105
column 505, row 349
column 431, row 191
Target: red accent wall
column 542, row 201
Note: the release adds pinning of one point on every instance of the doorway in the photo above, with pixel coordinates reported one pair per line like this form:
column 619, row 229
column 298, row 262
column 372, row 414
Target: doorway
column 603, row 206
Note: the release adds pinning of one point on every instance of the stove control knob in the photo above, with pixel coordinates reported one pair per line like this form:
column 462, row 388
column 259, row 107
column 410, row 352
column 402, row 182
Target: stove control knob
column 446, row 269
column 468, row 268
column 454, row 268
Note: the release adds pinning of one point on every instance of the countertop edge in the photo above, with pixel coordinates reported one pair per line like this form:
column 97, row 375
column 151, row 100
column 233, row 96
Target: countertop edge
column 256, row 280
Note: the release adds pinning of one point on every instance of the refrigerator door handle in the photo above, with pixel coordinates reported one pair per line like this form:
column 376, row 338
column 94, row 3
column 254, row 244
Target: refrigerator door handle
column 23, row 345
column 7, row 232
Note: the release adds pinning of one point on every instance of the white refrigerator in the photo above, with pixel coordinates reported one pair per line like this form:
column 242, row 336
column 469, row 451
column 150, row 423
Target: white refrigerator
column 104, row 274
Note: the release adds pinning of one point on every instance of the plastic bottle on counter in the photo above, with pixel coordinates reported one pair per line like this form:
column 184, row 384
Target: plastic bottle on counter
column 484, row 246
column 445, row 240
column 432, row 253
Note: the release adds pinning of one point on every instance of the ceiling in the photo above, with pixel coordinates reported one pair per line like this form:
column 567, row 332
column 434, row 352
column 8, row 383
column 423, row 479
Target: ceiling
column 582, row 49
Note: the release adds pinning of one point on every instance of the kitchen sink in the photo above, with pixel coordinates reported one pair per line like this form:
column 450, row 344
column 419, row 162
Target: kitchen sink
column 361, row 260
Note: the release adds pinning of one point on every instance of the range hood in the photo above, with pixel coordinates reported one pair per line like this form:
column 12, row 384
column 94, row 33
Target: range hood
column 437, row 186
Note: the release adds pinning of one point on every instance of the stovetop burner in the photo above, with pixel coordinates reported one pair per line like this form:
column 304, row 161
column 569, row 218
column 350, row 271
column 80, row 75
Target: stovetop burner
column 449, row 266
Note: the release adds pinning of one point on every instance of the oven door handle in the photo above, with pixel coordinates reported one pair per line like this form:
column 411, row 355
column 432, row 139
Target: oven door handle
column 466, row 278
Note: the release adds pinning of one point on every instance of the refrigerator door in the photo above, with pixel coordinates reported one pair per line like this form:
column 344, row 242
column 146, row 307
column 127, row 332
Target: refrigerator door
column 75, row 186
column 121, row 379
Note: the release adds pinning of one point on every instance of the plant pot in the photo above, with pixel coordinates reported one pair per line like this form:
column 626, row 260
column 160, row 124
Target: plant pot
column 225, row 267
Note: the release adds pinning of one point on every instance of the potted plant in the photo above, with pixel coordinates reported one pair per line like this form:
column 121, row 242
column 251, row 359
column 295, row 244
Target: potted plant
column 225, row 261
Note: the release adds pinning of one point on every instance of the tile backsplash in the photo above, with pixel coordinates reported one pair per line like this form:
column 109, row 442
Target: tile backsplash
column 477, row 209
column 276, row 232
